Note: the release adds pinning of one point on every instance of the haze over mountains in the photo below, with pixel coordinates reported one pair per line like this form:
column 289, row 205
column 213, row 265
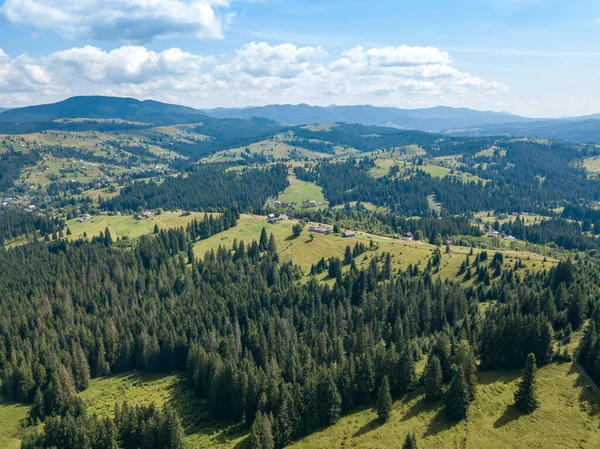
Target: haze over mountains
column 430, row 119
column 460, row 121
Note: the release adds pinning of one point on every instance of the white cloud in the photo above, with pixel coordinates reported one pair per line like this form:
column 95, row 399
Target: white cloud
column 126, row 20
column 257, row 73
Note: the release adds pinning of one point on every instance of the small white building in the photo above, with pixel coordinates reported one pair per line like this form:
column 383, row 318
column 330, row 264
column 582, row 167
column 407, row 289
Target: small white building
column 284, row 217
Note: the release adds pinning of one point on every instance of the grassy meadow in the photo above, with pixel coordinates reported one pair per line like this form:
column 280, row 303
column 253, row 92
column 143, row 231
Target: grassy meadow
column 127, row 226
column 300, row 191
column 304, row 252
column 567, row 416
column 11, row 431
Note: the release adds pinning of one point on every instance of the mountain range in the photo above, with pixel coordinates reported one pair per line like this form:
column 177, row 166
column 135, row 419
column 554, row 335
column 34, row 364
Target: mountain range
column 430, row 119
column 456, row 121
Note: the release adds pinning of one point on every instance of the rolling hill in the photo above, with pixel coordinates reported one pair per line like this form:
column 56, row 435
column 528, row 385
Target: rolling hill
column 430, row 119
column 98, row 107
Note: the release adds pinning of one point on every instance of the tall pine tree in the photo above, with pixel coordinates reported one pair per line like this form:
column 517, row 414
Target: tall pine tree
column 384, row 401
column 525, row 396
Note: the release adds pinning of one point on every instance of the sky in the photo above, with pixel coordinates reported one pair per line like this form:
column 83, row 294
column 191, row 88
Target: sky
column 537, row 58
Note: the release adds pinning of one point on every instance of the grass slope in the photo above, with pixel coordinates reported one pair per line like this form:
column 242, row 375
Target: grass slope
column 300, row 191
column 565, row 419
column 142, row 388
column 304, row 252
column 11, row 432
column 125, row 225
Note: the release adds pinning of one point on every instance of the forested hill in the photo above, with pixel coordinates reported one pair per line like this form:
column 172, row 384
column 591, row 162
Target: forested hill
column 98, row 107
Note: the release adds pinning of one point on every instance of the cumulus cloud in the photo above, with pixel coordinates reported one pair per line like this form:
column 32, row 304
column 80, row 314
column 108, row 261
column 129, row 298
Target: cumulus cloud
column 126, row 20
column 257, row 73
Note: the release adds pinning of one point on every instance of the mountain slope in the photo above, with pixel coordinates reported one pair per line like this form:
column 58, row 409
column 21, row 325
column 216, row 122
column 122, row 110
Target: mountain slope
column 98, row 107
column 582, row 129
column 431, row 119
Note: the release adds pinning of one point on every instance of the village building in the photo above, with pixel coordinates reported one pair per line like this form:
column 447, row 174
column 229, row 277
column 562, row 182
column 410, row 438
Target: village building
column 408, row 236
column 321, row 229
column 348, row 233
column 284, row 217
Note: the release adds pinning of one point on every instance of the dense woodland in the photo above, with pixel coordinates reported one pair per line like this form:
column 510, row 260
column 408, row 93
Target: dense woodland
column 530, row 177
column 252, row 340
column 16, row 223
column 208, row 187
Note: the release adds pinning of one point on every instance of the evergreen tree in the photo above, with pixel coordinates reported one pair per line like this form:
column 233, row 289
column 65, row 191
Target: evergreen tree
column 261, row 436
column 525, row 396
column 263, row 242
column 348, row 256
column 272, row 244
column 432, row 379
column 458, row 398
column 410, row 442
column 384, row 401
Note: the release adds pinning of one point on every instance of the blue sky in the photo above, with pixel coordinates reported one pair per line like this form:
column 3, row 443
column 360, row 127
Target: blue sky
column 529, row 57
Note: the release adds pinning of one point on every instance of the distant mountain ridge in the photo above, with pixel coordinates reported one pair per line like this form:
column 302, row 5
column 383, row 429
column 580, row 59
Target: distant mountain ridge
column 99, row 107
column 577, row 129
column 441, row 119
column 430, row 119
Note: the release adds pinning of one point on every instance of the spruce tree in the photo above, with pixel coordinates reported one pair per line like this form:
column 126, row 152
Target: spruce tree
column 458, row 398
column 525, row 396
column 261, row 434
column 410, row 442
column 432, row 379
column 264, row 240
column 348, row 256
column 384, row 401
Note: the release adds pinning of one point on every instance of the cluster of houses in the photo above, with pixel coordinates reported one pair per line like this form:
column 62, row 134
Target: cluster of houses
column 312, row 203
column 321, row 229
column 144, row 215
column 493, row 234
column 18, row 201
column 272, row 218
column 277, row 203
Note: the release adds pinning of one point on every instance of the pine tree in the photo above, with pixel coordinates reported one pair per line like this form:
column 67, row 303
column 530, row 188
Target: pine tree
column 272, row 244
column 432, row 379
column 348, row 256
column 264, row 240
column 332, row 402
column 384, row 401
column 36, row 413
column 261, row 435
column 410, row 442
column 525, row 396
column 458, row 399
